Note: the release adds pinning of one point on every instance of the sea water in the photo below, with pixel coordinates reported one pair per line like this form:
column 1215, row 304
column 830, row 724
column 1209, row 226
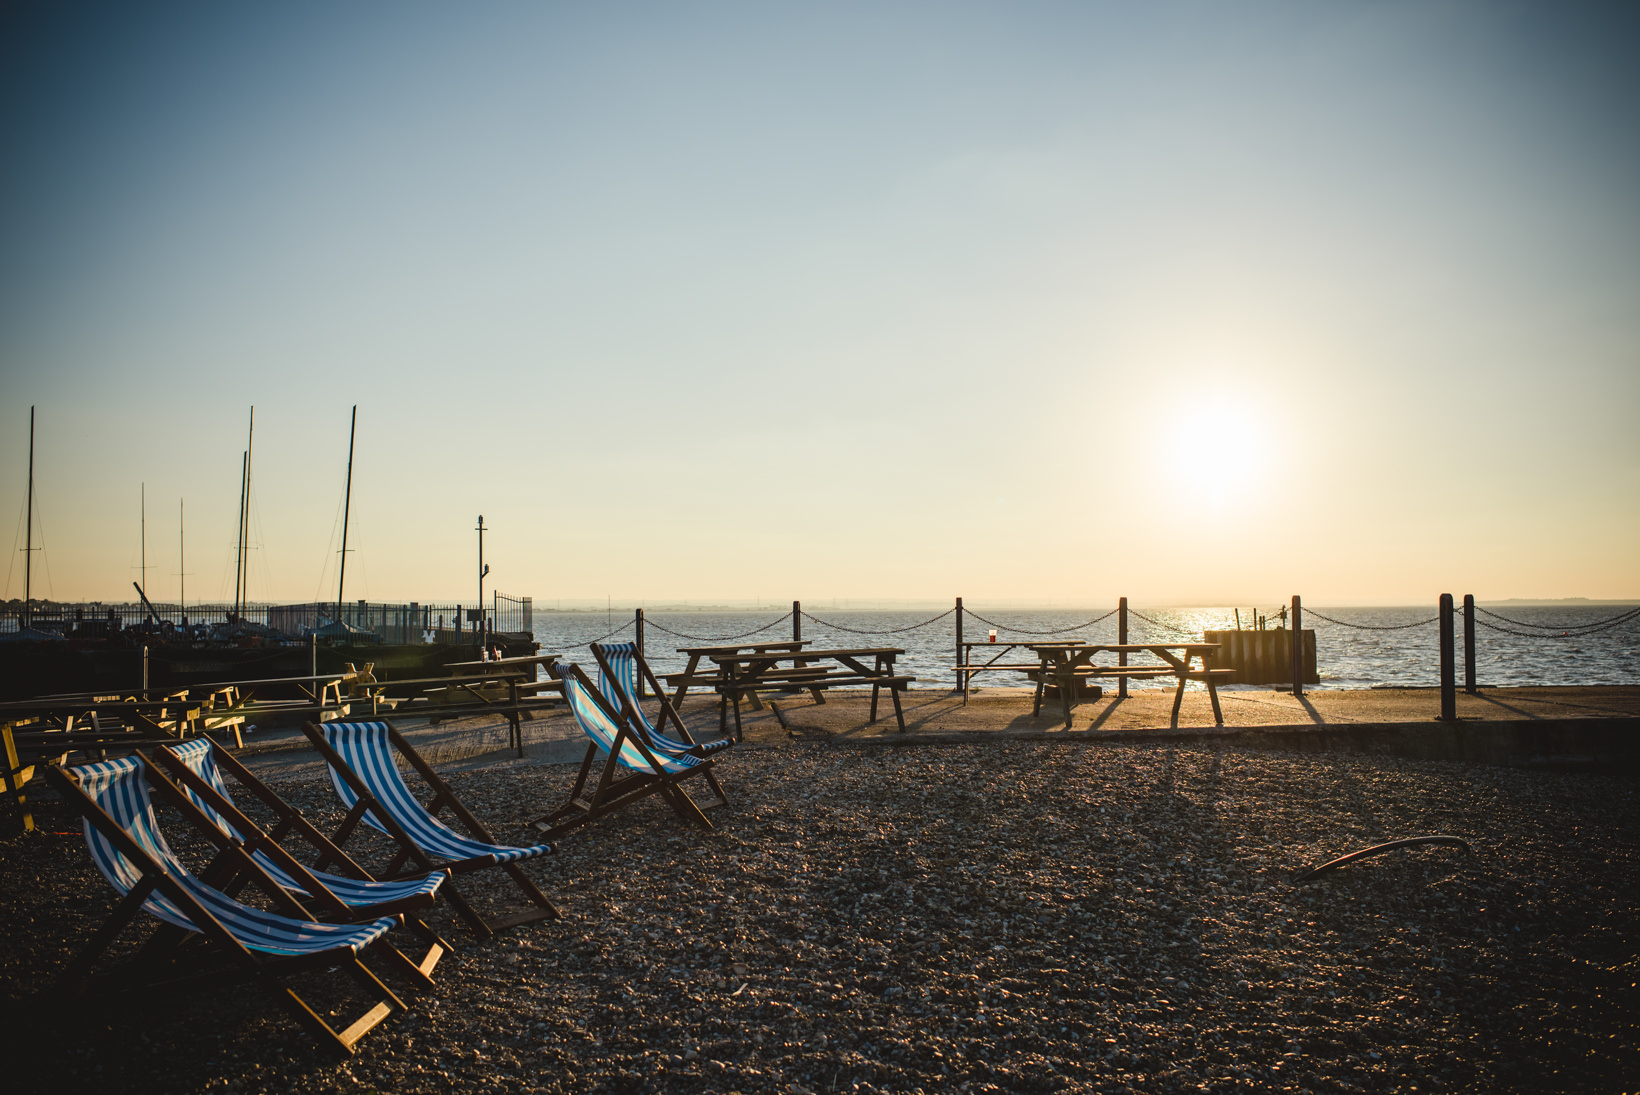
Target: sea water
column 1355, row 647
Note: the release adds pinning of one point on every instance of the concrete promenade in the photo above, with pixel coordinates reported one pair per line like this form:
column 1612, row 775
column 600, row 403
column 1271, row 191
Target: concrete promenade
column 1586, row 727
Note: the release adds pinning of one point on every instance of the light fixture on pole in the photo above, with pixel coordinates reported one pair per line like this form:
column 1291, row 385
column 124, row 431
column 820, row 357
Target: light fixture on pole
column 482, row 571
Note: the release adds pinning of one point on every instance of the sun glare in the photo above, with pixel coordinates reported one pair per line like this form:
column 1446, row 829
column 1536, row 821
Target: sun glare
column 1218, row 449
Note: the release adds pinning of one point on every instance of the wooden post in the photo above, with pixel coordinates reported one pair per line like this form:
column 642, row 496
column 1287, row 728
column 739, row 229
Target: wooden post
column 1298, row 646
column 1121, row 640
column 145, row 671
column 959, row 643
column 1449, row 688
column 797, row 621
column 638, row 625
column 1469, row 643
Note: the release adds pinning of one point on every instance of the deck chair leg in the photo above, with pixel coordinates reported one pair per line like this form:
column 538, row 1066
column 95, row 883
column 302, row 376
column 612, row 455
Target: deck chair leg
column 465, row 910
column 684, row 806
column 717, row 789
column 401, row 963
column 127, row 908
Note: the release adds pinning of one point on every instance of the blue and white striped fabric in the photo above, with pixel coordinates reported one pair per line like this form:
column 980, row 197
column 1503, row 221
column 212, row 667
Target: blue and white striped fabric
column 366, row 749
column 623, row 659
column 120, row 788
column 603, row 730
column 200, row 757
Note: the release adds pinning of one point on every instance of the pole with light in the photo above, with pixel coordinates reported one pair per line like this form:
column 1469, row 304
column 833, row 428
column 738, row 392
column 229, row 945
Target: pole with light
column 482, row 571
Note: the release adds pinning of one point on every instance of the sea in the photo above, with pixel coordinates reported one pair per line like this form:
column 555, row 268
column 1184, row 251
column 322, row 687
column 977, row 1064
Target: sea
column 1356, row 648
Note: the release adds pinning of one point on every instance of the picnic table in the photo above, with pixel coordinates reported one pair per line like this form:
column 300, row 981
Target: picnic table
column 497, row 666
column 501, row 686
column 998, row 650
column 693, row 674
column 1064, row 662
column 748, row 672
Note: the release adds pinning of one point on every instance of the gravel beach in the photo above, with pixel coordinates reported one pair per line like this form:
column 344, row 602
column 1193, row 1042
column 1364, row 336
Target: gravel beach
column 987, row 917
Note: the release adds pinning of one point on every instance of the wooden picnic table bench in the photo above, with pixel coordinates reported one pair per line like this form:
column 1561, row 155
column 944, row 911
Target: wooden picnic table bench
column 1063, row 663
column 692, row 675
column 748, row 672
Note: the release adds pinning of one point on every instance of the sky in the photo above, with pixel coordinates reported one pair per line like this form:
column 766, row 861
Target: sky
column 1194, row 303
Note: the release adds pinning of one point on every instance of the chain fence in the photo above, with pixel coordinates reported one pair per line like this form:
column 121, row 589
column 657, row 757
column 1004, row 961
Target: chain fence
column 1164, row 626
column 1371, row 627
column 1050, row 631
column 883, row 631
column 648, row 623
column 1567, row 630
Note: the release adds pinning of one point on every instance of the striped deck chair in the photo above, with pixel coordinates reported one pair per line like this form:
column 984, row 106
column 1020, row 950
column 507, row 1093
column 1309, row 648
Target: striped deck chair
column 619, row 667
column 128, row 848
column 631, row 769
column 360, row 756
column 198, row 767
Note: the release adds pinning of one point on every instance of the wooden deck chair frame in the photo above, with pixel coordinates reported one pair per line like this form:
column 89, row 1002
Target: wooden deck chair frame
column 609, row 657
column 618, row 782
column 410, row 857
column 351, row 898
column 270, row 972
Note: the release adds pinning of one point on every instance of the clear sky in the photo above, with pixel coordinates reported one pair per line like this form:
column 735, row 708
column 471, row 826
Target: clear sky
column 1189, row 302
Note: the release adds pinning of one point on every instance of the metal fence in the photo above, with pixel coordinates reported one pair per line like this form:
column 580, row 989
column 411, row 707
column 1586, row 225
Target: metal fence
column 394, row 623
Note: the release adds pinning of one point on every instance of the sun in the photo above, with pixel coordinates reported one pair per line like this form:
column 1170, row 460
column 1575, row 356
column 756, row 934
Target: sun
column 1218, row 449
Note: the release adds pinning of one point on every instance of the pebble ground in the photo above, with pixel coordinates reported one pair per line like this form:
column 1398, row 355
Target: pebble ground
column 1000, row 917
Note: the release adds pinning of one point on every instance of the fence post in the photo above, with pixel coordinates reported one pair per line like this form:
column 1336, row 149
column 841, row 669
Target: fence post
column 797, row 621
column 1121, row 640
column 638, row 626
column 1469, row 643
column 1449, row 698
column 959, row 644
column 144, row 671
column 1298, row 646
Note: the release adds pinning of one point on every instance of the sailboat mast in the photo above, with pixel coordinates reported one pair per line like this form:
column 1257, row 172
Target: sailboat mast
column 347, row 506
column 239, row 546
column 28, row 552
column 245, row 519
column 144, row 536
column 182, row 562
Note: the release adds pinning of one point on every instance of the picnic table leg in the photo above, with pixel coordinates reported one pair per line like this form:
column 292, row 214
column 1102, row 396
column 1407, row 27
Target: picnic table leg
column 14, row 778
column 874, row 690
column 688, row 672
column 515, row 721
column 1041, row 677
column 1066, row 676
column 1213, row 693
column 1178, row 698
column 899, row 713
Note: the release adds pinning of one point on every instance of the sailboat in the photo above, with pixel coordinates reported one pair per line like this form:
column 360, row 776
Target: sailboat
column 26, row 630
column 338, row 629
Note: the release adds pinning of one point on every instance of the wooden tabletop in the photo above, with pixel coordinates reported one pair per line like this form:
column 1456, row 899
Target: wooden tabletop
column 1118, row 647
column 789, row 644
column 773, row 655
column 522, row 659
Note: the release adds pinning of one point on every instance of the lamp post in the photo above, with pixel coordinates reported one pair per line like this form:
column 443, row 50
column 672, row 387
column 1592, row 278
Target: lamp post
column 482, row 571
